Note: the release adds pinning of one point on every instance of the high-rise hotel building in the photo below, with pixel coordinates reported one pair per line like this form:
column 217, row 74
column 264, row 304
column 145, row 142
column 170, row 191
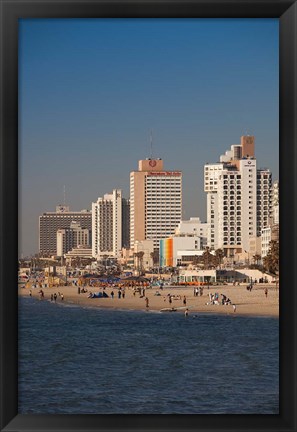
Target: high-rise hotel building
column 155, row 202
column 110, row 224
column 238, row 198
column 51, row 222
column 73, row 237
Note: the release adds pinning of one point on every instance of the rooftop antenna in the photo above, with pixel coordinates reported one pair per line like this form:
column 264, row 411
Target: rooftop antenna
column 64, row 195
column 151, row 141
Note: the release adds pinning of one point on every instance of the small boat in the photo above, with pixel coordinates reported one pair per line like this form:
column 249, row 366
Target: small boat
column 168, row 309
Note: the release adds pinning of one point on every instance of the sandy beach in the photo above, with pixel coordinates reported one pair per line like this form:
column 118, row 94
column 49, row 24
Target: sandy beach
column 247, row 302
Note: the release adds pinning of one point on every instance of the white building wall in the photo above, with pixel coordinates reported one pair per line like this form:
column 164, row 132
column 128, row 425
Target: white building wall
column 132, row 211
column 212, row 173
column 248, row 169
column 275, row 202
column 107, row 225
column 265, row 241
column 194, row 226
column 264, row 199
column 146, row 246
column 191, row 244
column 117, row 222
column 163, row 205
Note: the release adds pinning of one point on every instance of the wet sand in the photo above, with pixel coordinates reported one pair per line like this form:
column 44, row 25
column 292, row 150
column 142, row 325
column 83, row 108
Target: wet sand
column 253, row 303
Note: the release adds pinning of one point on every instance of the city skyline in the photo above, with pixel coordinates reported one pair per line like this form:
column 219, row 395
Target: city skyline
column 89, row 103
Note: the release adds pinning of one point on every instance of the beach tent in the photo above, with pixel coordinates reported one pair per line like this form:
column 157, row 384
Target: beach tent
column 100, row 295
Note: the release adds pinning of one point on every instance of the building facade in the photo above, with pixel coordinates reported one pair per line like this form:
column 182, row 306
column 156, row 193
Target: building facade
column 146, row 248
column 72, row 237
column 275, row 202
column 264, row 199
column 110, row 224
column 51, row 222
column 155, row 202
column 238, row 198
column 170, row 249
column 194, row 226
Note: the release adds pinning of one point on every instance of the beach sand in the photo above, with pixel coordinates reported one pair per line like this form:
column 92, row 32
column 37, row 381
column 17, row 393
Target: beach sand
column 252, row 303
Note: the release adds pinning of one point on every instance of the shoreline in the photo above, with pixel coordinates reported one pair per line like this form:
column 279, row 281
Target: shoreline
column 253, row 303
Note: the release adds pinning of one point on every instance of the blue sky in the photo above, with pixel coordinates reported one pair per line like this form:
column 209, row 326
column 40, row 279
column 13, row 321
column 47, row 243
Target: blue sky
column 91, row 90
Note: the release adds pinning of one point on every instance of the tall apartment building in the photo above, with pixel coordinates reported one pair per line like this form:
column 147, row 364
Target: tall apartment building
column 110, row 224
column 72, row 237
column 275, row 202
column 155, row 202
column 236, row 193
column 264, row 199
column 51, row 222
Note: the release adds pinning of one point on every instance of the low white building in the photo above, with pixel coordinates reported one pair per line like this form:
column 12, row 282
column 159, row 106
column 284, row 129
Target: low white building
column 79, row 252
column 197, row 276
column 195, row 227
column 268, row 234
column 170, row 248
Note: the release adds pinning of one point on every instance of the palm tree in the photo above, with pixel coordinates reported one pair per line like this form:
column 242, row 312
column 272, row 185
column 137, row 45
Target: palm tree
column 256, row 259
column 155, row 257
column 219, row 256
column 139, row 256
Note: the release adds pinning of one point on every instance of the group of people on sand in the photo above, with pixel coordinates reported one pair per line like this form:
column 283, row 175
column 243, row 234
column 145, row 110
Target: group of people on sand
column 53, row 296
column 214, row 299
column 198, row 291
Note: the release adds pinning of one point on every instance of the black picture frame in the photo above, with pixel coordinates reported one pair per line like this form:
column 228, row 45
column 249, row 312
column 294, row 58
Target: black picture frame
column 11, row 12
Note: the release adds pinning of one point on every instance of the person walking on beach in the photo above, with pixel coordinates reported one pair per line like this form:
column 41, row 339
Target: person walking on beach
column 30, row 293
column 170, row 299
column 185, row 300
column 234, row 308
column 266, row 292
column 112, row 294
column 146, row 302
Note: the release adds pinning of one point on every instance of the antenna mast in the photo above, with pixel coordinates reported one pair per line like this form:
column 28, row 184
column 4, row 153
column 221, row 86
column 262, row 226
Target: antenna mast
column 151, row 141
column 64, row 195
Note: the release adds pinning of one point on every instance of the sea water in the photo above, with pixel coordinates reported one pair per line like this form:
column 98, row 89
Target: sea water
column 75, row 360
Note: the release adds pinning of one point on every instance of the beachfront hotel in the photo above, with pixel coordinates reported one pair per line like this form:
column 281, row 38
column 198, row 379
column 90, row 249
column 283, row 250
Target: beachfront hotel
column 238, row 198
column 51, row 222
column 73, row 237
column 155, row 202
column 110, row 225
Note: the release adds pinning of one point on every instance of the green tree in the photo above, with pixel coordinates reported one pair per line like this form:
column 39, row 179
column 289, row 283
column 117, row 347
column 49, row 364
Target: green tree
column 219, row 255
column 207, row 259
column 271, row 260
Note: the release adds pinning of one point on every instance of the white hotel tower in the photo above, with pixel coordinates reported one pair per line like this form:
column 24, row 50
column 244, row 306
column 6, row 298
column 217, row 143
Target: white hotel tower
column 155, row 202
column 235, row 192
column 107, row 225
